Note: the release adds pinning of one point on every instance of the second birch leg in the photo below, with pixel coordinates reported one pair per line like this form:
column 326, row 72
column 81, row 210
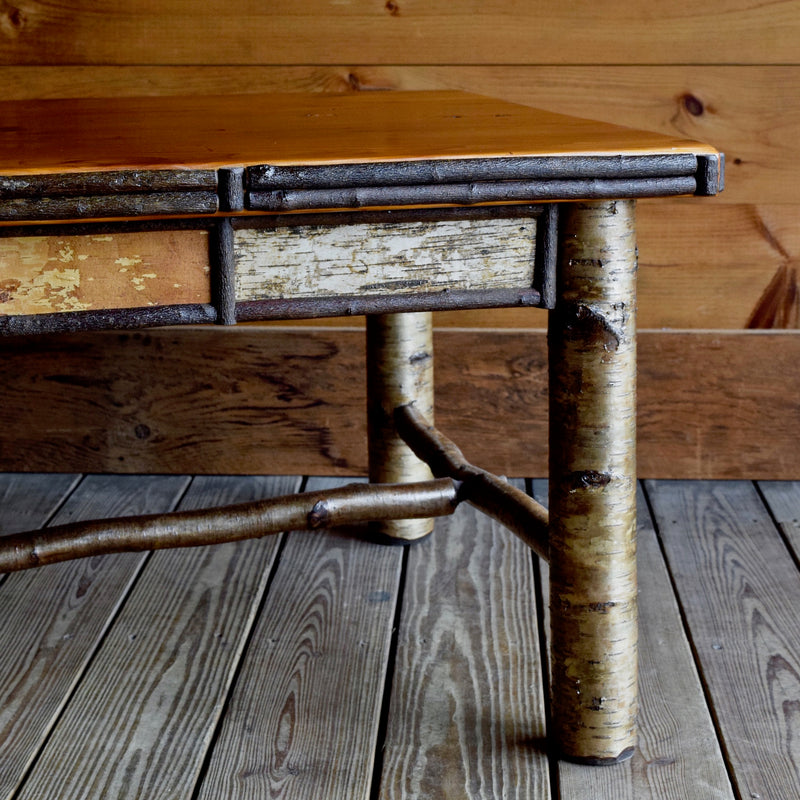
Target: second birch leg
column 399, row 371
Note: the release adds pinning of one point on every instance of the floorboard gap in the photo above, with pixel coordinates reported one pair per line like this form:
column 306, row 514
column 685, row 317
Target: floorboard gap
column 781, row 532
column 541, row 625
column 726, row 756
column 380, row 740
column 201, row 775
column 79, row 480
column 552, row 756
column 54, row 722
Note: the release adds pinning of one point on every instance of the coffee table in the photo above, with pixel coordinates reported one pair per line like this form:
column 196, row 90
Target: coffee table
column 136, row 212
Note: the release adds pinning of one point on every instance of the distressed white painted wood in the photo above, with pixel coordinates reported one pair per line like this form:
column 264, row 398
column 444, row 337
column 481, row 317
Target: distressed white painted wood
column 371, row 258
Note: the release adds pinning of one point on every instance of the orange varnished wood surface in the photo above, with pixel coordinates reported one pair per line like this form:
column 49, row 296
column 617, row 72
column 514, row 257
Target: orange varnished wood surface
column 60, row 136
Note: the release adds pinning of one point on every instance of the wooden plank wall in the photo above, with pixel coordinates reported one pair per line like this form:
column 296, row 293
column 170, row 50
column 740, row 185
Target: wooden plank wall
column 727, row 72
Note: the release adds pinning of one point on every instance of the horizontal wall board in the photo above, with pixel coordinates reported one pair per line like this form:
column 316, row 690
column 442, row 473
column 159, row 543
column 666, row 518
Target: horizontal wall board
column 255, row 400
column 46, row 274
column 399, row 32
column 371, row 259
column 752, row 113
column 718, row 266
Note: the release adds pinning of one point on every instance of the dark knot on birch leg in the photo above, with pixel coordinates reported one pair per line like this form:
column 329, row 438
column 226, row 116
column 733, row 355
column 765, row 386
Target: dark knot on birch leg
column 587, row 479
column 592, row 327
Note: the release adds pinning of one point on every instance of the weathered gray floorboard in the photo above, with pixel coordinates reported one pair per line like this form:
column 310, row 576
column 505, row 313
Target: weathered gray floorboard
column 740, row 593
column 783, row 499
column 54, row 617
column 467, row 716
column 678, row 755
column 303, row 719
column 27, row 500
column 142, row 718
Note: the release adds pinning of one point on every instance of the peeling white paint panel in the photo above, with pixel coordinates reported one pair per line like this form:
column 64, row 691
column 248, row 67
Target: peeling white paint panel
column 370, row 259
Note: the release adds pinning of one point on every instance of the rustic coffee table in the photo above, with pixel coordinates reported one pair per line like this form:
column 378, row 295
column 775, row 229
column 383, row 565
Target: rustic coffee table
column 121, row 213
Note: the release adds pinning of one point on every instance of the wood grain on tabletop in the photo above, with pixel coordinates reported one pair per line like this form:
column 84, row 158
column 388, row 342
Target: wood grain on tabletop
column 748, row 112
column 400, row 32
column 226, row 130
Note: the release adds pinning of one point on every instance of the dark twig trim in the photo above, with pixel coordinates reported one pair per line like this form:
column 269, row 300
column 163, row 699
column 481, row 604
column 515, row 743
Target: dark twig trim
column 519, row 513
column 254, row 310
column 98, row 227
column 108, row 183
column 710, row 174
column 545, row 267
column 115, row 319
column 470, row 193
column 406, row 173
column 358, row 305
column 388, row 216
column 117, row 205
column 223, row 272
column 231, row 189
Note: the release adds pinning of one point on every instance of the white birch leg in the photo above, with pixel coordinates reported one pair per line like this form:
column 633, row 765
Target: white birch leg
column 592, row 341
column 399, row 371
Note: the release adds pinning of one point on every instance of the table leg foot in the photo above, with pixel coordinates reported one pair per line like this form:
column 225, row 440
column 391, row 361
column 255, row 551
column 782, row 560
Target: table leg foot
column 592, row 343
column 588, row 761
column 399, row 371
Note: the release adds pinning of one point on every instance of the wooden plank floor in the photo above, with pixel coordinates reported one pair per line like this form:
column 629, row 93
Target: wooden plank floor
column 323, row 666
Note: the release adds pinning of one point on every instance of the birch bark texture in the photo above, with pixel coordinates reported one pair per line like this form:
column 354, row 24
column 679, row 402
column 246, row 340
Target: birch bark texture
column 399, row 372
column 592, row 364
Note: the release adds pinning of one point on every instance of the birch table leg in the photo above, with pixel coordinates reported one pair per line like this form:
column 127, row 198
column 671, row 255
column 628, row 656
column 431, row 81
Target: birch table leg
column 592, row 344
column 399, row 371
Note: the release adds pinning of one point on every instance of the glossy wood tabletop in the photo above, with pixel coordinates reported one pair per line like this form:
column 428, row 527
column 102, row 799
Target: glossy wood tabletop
column 60, row 136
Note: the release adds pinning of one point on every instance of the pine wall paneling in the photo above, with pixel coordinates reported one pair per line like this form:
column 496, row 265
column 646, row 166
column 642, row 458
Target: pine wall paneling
column 711, row 269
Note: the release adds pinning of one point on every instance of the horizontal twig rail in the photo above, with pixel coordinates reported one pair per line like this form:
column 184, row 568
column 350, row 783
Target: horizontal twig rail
column 521, row 514
column 349, row 505
column 457, row 481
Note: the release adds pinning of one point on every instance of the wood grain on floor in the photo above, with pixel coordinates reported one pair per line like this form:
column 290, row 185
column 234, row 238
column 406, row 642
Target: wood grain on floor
column 321, row 665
